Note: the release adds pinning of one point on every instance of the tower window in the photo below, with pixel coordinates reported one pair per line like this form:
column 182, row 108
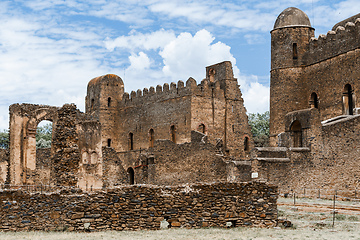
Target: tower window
column 246, row 144
column 173, row 133
column 131, row 141
column 295, row 51
column 92, row 104
column 109, row 142
column 152, row 138
column 109, row 101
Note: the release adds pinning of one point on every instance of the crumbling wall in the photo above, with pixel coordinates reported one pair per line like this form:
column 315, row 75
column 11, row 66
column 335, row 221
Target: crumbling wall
column 113, row 171
column 142, row 207
column 4, row 165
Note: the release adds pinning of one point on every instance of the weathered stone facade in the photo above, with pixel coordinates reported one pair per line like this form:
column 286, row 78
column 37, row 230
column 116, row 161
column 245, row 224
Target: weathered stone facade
column 314, row 126
column 142, row 207
column 182, row 133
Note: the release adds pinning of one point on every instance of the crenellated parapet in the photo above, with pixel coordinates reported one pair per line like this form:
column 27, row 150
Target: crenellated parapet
column 341, row 40
column 174, row 90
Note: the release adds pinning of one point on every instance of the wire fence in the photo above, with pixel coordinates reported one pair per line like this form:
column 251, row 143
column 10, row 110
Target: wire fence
column 341, row 195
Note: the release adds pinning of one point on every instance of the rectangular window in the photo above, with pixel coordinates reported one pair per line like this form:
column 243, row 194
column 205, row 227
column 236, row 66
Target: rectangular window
column 295, row 52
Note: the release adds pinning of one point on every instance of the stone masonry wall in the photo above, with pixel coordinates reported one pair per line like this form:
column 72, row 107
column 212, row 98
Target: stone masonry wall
column 142, row 207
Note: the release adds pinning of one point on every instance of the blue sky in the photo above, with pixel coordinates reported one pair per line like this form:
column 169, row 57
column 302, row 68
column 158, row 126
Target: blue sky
column 51, row 49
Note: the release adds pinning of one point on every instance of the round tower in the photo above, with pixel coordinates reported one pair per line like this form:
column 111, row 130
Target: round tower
column 102, row 101
column 289, row 46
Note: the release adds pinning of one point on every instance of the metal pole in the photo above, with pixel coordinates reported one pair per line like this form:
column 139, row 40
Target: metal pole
column 334, row 212
column 355, row 194
column 294, row 199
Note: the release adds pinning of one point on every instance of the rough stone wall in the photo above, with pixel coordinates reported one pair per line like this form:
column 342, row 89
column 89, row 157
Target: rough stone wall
column 168, row 163
column 113, row 170
column 138, row 118
column 4, row 164
column 24, row 119
column 67, row 155
column 142, row 207
column 323, row 66
column 187, row 163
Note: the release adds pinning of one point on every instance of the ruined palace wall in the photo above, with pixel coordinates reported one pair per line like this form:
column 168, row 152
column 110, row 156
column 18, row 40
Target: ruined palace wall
column 208, row 110
column 286, row 95
column 157, row 110
column 4, row 164
column 338, row 41
column 333, row 166
column 187, row 163
column 171, row 164
column 142, row 207
column 328, row 79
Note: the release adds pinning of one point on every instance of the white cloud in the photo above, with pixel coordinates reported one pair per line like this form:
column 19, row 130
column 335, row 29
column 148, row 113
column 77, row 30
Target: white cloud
column 136, row 40
column 256, row 96
column 139, row 62
column 187, row 55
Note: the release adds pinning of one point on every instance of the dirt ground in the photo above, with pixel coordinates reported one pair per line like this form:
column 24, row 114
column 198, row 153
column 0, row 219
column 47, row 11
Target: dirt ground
column 311, row 218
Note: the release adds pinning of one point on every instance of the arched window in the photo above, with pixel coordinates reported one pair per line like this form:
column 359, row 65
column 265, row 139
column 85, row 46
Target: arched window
column 151, row 138
column 173, row 133
column 131, row 141
column 201, row 128
column 43, row 134
column 109, row 101
column 314, row 102
column 109, row 142
column 131, row 175
column 246, row 144
column 296, row 134
column 92, row 104
column 348, row 100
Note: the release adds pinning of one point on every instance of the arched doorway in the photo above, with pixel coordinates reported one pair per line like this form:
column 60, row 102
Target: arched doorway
column 296, row 134
column 131, row 175
column 348, row 100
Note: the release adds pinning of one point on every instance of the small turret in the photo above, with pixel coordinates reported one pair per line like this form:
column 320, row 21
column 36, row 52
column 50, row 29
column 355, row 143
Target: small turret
column 290, row 38
column 104, row 95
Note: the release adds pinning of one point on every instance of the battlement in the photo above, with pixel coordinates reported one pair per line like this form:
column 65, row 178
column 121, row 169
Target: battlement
column 341, row 40
column 161, row 93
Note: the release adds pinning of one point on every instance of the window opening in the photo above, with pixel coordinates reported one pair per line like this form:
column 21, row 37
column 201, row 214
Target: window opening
column 131, row 141
column 131, row 175
column 314, row 102
column 246, row 144
column 296, row 134
column 201, row 128
column 348, row 100
column 295, row 51
column 43, row 134
column 151, row 138
column 109, row 101
column 173, row 133
column 109, row 142
column 92, row 104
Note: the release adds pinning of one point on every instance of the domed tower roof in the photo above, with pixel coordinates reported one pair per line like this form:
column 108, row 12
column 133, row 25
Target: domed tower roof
column 292, row 17
column 105, row 78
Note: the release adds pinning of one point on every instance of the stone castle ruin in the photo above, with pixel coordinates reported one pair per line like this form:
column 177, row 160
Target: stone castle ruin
column 314, row 112
column 182, row 133
column 189, row 133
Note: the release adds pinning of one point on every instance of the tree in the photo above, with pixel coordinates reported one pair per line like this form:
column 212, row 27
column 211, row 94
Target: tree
column 43, row 136
column 259, row 123
column 4, row 139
